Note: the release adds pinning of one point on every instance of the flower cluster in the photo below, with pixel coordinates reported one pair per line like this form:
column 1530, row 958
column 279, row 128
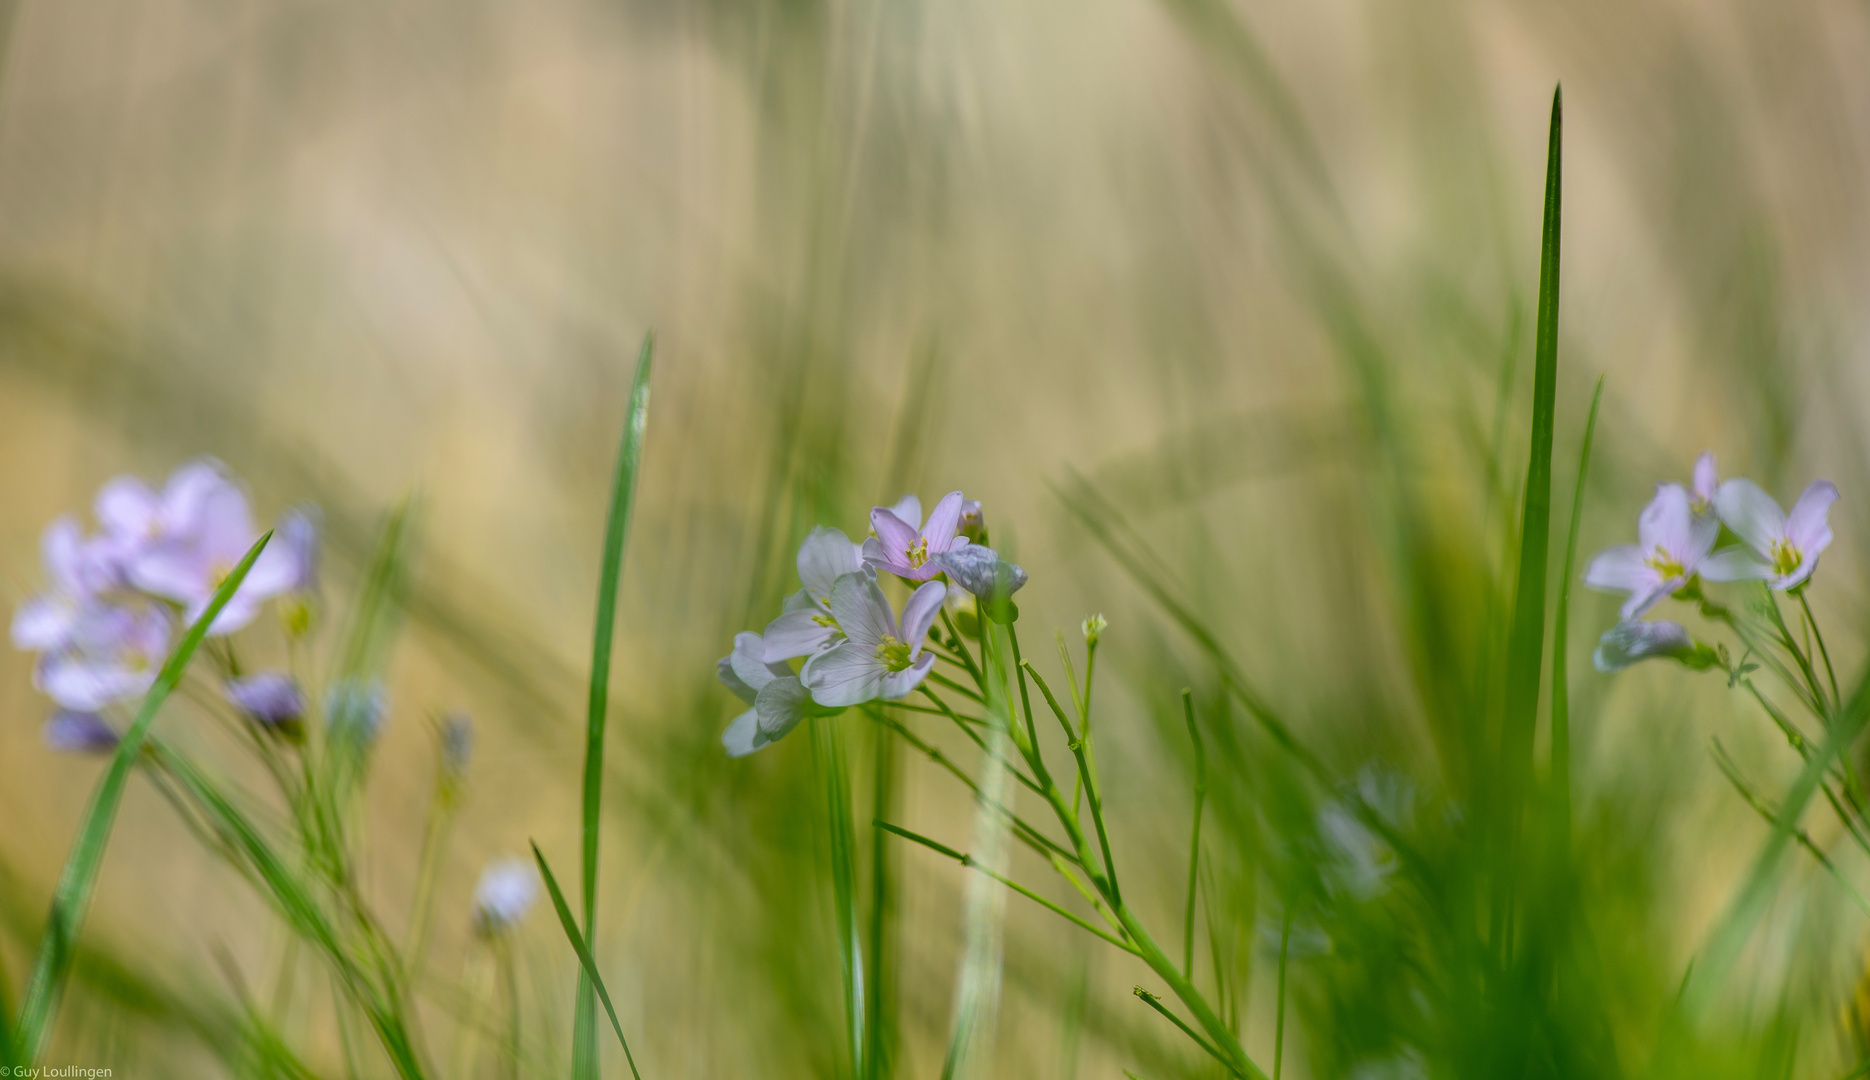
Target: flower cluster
column 854, row 645
column 1676, row 549
column 116, row 596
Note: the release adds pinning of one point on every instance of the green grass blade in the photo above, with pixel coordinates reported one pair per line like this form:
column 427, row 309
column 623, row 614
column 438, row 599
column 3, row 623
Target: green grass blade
column 616, row 530
column 828, row 746
column 79, row 879
column 1561, row 689
column 585, row 962
column 1526, row 640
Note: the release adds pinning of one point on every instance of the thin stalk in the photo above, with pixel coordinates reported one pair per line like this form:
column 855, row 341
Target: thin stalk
column 1818, row 635
column 973, row 864
column 1033, row 838
column 975, row 738
column 1090, row 787
column 509, row 979
column 960, row 647
column 1194, row 841
column 1025, row 703
column 950, row 713
column 936, row 676
column 1279, row 1024
column 1156, row 1003
column 1753, row 799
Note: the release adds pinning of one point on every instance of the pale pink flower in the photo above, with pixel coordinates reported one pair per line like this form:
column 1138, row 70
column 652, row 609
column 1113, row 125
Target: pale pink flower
column 807, row 624
column 879, row 656
column 1671, row 544
column 199, row 537
column 908, row 547
column 1782, row 549
column 110, row 654
column 776, row 697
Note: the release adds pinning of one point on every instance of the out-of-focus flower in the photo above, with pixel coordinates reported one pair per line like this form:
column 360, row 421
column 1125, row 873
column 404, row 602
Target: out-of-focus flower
column 1093, row 627
column 201, row 542
column 1784, row 548
column 354, row 710
column 774, row 692
column 880, row 656
column 807, row 624
column 109, row 654
column 134, row 517
column 79, row 573
column 73, row 732
column 268, row 698
column 909, row 550
column 1707, row 481
column 457, row 738
column 505, row 893
column 981, row 570
column 1672, row 544
column 297, row 536
column 1630, row 642
column 973, row 522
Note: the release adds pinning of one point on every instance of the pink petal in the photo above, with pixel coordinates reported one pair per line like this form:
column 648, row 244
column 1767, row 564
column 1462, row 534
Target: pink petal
column 920, row 611
column 276, row 571
column 1667, row 522
column 1622, row 569
column 44, row 622
column 861, row 611
column 1751, row 514
column 62, row 548
column 125, row 507
column 1735, row 564
column 824, row 557
column 943, row 522
column 845, row 674
column 1706, row 478
column 909, row 510
column 1643, row 601
column 896, row 535
column 183, row 495
column 1807, row 526
column 224, row 529
column 737, row 740
column 900, row 684
column 173, row 569
column 796, row 633
column 87, row 685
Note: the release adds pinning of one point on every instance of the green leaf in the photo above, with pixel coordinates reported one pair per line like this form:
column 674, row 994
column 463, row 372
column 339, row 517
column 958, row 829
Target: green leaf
column 1561, row 690
column 1526, row 640
column 616, row 530
column 79, row 879
column 585, row 961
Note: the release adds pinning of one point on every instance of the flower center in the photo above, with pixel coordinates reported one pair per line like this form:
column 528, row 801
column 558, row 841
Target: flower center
column 893, row 653
column 1786, row 558
column 826, row 621
column 1665, row 564
column 917, row 553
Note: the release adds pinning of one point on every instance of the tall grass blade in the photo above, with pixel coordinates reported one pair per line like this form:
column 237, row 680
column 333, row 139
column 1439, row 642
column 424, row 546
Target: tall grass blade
column 586, row 963
column 616, row 529
column 1526, row 640
column 1561, row 686
column 79, row 879
column 828, row 742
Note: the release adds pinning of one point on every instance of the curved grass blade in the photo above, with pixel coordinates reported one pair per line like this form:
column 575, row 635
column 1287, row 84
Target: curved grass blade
column 1525, row 651
column 585, row 962
column 1561, row 689
column 79, row 879
column 616, row 530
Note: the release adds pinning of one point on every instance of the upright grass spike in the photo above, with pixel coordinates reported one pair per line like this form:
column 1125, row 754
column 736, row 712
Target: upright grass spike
column 1194, row 841
column 1561, row 622
column 585, row 962
column 1526, row 640
column 616, row 529
column 834, row 771
column 79, row 879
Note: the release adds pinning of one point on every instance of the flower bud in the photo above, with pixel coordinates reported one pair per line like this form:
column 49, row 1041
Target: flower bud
column 1093, row 626
column 73, row 732
column 270, row 699
column 506, row 890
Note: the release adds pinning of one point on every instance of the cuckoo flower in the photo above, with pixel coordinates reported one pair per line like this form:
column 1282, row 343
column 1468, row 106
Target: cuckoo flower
column 506, row 891
column 807, row 625
column 1783, row 547
column 201, row 543
column 774, row 692
column 908, row 549
column 1707, row 481
column 269, row 698
column 1672, row 542
column 980, row 570
column 79, row 573
column 79, row 733
column 879, row 656
column 110, row 654
column 1632, row 641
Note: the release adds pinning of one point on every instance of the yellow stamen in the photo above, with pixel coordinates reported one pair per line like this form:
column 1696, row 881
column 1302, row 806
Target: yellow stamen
column 1786, row 558
column 893, row 653
column 917, row 553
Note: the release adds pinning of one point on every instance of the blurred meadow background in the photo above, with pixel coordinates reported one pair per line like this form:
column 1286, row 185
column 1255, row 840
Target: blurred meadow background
column 1224, row 308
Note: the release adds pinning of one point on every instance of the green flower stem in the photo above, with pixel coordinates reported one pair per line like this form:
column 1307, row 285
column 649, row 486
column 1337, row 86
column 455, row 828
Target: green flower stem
column 1090, row 787
column 1822, row 707
column 959, row 645
column 1818, row 635
column 1032, row 837
column 938, row 677
column 1025, row 702
column 1156, row 1003
column 974, row 737
column 963, row 717
column 1753, row 799
column 971, row 863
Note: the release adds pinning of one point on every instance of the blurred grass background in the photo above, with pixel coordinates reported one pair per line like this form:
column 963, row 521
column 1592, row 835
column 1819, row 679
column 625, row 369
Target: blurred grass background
column 1261, row 274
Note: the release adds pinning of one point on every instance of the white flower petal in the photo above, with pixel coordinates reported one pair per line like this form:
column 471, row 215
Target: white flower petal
column 900, row 684
column 845, row 674
column 749, row 661
column 1623, row 568
column 824, row 557
column 1751, row 514
column 1707, row 479
column 781, row 705
column 1807, row 526
column 920, row 611
column 737, row 740
column 44, row 622
column 1735, row 564
column 796, row 633
column 1667, row 523
column 908, row 510
column 861, row 611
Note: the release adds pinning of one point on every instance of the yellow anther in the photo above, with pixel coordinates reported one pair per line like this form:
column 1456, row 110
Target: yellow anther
column 917, row 553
